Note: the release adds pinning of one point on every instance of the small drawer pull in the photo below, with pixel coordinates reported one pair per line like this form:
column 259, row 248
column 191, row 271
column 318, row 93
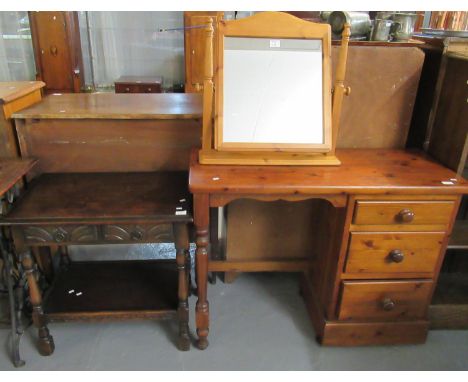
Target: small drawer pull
column 149, row 90
column 136, row 235
column 405, row 216
column 59, row 236
column 127, row 90
column 396, row 256
column 388, row 304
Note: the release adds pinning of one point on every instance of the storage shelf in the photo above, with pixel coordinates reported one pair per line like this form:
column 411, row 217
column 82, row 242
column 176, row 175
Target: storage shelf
column 114, row 289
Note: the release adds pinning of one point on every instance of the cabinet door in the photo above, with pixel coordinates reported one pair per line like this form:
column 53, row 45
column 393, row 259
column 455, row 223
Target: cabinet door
column 195, row 47
column 57, row 50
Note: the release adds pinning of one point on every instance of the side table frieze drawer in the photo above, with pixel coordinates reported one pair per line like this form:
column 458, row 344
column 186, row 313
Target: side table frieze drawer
column 153, row 233
column 94, row 233
column 57, row 234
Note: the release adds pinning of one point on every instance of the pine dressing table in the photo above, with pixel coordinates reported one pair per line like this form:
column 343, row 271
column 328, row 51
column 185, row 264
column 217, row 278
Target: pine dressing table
column 382, row 226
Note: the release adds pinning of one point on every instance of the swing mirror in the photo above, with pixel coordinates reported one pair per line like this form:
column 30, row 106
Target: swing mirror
column 273, row 85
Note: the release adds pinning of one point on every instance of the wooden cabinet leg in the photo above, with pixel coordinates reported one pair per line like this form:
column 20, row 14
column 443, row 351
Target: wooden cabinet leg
column 201, row 222
column 182, row 250
column 46, row 342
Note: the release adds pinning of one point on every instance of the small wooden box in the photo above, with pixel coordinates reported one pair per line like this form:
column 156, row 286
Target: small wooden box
column 137, row 84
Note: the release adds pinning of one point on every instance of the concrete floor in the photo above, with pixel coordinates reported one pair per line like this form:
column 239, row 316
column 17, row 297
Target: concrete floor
column 257, row 323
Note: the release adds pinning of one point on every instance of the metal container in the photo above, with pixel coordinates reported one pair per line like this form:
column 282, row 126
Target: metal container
column 403, row 27
column 381, row 30
column 324, row 15
column 359, row 21
column 385, row 15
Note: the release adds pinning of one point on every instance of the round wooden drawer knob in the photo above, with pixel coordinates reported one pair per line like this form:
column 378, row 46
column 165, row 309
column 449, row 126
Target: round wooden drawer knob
column 405, row 215
column 388, row 304
column 396, row 256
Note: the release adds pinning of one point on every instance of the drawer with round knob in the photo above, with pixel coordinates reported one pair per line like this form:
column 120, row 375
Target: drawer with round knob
column 384, row 300
column 393, row 252
column 403, row 213
column 57, row 234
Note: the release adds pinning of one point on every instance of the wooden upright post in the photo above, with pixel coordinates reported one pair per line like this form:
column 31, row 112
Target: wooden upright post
column 339, row 89
column 208, row 87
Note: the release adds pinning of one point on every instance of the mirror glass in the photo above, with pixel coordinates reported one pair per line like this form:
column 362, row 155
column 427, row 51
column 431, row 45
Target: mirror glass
column 272, row 91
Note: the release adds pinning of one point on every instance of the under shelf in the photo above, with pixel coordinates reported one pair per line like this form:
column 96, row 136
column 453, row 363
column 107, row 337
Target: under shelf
column 114, row 289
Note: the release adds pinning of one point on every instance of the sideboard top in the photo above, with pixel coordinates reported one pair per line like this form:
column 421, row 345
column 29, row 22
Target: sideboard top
column 115, row 106
column 9, row 91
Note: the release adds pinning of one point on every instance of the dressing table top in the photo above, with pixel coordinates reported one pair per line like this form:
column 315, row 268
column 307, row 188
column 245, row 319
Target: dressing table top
column 370, row 171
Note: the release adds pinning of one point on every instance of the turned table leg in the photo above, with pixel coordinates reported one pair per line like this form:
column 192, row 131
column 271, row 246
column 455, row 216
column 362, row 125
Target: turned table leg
column 182, row 245
column 46, row 342
column 201, row 220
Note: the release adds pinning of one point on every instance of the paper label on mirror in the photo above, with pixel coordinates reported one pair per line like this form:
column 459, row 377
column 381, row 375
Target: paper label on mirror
column 275, row 43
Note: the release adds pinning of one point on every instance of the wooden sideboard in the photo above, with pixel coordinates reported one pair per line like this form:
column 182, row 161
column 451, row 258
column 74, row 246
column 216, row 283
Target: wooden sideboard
column 107, row 132
column 15, row 96
column 379, row 230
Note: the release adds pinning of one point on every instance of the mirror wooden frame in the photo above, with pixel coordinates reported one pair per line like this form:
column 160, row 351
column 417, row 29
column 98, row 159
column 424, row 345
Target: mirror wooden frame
column 275, row 25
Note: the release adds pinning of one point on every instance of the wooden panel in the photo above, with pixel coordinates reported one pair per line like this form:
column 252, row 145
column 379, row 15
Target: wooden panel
column 449, row 135
column 384, row 82
column 254, row 232
column 258, row 266
column 393, row 252
column 116, row 106
column 384, row 300
column 108, row 145
column 392, row 212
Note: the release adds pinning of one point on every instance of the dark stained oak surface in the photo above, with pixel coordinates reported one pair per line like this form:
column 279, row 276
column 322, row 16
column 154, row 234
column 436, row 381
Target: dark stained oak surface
column 116, row 106
column 368, row 171
column 11, row 170
column 103, row 197
column 9, row 91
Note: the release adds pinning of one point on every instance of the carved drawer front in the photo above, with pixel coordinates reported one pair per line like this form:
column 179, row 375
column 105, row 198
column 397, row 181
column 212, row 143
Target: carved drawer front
column 393, row 252
column 60, row 234
column 403, row 212
column 155, row 233
column 384, row 300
